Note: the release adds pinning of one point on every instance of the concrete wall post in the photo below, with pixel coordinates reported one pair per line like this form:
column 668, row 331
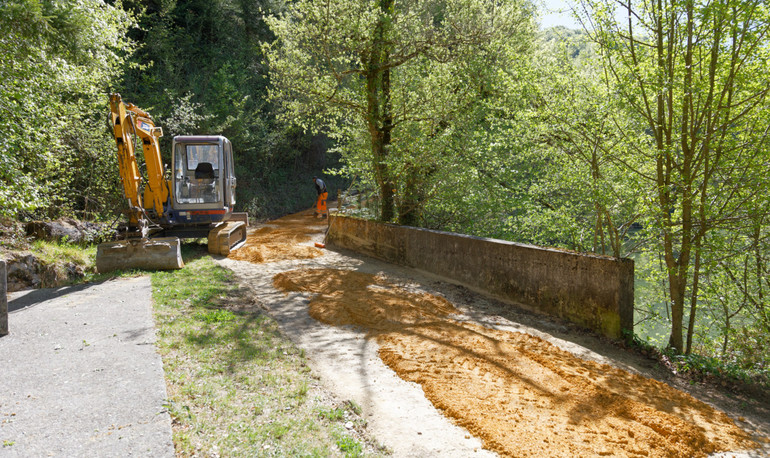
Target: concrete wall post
column 3, row 299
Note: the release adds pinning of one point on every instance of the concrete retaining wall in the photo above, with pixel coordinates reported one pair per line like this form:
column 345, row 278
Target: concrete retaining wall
column 3, row 299
column 596, row 292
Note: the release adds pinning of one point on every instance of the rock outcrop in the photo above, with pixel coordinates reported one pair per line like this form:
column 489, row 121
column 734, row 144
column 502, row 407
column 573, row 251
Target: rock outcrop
column 65, row 230
column 25, row 270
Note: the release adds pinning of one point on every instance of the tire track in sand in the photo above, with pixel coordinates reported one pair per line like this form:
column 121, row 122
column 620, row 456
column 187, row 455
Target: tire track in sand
column 279, row 241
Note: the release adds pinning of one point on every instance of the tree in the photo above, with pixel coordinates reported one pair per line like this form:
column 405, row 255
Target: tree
column 586, row 178
column 58, row 58
column 693, row 74
column 392, row 77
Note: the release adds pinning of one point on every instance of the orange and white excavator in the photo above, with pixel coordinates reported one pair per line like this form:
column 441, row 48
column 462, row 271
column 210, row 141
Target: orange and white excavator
column 195, row 201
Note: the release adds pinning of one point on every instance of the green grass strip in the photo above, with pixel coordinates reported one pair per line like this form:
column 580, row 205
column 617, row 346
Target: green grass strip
column 236, row 385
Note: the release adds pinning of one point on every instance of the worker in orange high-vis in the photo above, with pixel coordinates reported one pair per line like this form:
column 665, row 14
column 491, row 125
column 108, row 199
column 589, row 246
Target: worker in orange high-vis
column 320, row 205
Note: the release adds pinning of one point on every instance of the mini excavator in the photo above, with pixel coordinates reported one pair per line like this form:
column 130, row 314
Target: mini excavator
column 195, row 201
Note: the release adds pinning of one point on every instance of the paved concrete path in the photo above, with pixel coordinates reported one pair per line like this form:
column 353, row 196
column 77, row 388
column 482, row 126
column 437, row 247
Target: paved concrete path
column 80, row 376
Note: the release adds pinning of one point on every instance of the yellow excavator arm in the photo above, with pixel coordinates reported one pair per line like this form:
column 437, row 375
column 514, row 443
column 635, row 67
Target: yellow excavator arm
column 138, row 251
column 129, row 121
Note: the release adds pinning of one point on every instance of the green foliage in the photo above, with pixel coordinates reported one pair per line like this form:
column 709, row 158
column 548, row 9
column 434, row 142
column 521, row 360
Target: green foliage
column 215, row 316
column 283, row 190
column 701, row 368
column 444, row 114
column 588, row 193
column 745, row 371
column 396, row 84
column 200, row 71
column 690, row 91
column 62, row 252
column 59, row 58
column 350, row 446
column 332, row 414
column 577, row 169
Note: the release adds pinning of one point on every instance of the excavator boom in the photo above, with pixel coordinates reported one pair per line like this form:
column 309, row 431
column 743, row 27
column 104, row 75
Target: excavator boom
column 139, row 251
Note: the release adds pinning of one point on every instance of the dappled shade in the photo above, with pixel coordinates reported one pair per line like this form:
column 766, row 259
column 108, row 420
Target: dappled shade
column 520, row 394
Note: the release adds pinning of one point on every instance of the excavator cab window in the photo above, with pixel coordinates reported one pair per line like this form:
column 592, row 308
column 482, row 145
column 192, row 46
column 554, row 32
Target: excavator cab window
column 197, row 173
column 195, row 154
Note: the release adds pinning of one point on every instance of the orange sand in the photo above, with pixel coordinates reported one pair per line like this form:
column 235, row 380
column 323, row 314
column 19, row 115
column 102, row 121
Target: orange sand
column 269, row 244
column 521, row 395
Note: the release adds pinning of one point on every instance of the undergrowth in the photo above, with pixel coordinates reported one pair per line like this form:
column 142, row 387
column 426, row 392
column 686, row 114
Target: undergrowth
column 699, row 368
column 52, row 252
column 292, row 193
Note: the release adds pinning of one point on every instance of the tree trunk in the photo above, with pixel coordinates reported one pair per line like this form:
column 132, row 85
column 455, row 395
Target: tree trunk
column 379, row 113
column 410, row 204
column 676, row 288
column 693, row 298
column 687, row 140
column 382, row 175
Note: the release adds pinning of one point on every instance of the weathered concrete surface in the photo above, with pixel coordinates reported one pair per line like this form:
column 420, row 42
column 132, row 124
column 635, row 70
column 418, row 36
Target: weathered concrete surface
column 596, row 292
column 80, row 374
column 3, row 299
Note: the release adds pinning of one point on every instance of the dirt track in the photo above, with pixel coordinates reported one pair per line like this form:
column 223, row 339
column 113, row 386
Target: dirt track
column 518, row 392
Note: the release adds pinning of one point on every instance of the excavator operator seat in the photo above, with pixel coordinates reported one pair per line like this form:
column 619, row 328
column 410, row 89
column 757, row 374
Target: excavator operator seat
column 205, row 170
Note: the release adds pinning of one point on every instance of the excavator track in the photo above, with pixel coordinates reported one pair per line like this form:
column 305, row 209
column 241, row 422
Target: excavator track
column 161, row 253
column 227, row 237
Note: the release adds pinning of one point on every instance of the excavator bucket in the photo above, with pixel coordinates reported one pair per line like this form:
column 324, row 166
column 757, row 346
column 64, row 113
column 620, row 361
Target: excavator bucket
column 227, row 237
column 162, row 253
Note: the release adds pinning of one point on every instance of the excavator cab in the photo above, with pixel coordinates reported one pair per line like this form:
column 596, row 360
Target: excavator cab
column 203, row 179
column 202, row 188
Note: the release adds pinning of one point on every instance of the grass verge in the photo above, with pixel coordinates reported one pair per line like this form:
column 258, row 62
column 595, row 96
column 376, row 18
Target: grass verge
column 53, row 252
column 236, row 385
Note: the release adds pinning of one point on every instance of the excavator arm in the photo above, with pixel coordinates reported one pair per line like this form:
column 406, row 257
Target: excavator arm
column 129, row 121
column 138, row 251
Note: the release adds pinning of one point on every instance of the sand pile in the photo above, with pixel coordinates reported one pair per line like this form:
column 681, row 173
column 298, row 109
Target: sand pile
column 282, row 240
column 521, row 395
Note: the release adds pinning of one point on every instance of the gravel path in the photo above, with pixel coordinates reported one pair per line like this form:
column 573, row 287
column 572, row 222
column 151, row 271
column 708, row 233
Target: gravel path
column 80, row 374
